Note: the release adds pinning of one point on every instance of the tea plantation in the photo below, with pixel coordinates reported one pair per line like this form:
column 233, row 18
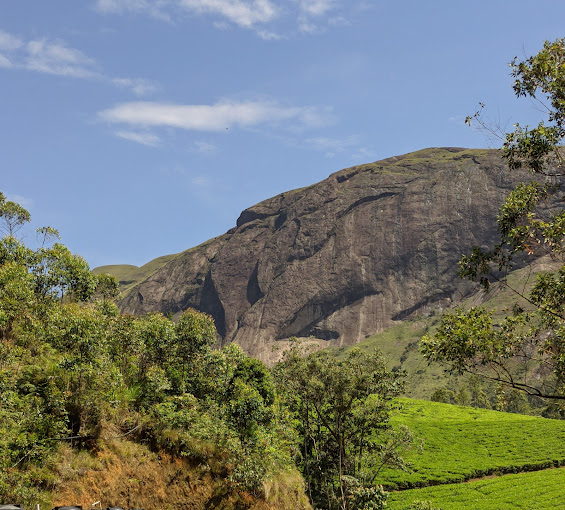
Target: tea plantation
column 463, row 443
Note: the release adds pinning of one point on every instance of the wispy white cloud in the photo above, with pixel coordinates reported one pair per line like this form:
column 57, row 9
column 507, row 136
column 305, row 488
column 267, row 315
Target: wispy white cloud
column 148, row 139
column 269, row 36
column 334, row 146
column 339, row 21
column 363, row 154
column 9, row 42
column 157, row 9
column 244, row 13
column 201, row 180
column 217, row 117
column 57, row 58
column 317, row 7
column 121, row 5
column 314, row 15
column 270, row 19
column 307, row 27
column 203, row 147
column 5, row 62
column 138, row 86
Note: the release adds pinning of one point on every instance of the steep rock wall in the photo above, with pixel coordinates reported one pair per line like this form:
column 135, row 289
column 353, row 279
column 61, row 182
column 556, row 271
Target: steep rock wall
column 343, row 258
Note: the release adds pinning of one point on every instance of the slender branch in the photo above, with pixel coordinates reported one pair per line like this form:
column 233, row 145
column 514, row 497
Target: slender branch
column 527, row 388
column 539, row 307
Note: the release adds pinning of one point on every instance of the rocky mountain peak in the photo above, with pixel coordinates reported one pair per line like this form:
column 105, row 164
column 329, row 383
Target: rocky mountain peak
column 343, row 258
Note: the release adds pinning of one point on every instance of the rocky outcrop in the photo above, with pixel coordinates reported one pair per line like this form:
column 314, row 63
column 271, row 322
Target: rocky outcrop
column 341, row 259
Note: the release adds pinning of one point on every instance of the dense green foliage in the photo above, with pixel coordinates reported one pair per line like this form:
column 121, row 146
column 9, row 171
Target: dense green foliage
column 341, row 409
column 526, row 348
column 14, row 216
column 474, row 391
column 73, row 370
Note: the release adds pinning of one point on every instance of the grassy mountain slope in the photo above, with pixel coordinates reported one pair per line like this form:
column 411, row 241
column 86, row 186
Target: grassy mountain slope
column 503, row 295
column 129, row 275
column 399, row 347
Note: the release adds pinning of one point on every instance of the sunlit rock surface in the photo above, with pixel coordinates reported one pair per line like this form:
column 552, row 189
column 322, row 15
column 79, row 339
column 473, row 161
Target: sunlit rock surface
column 343, row 258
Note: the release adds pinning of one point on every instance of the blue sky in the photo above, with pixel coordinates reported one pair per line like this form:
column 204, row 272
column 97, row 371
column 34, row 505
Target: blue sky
column 140, row 128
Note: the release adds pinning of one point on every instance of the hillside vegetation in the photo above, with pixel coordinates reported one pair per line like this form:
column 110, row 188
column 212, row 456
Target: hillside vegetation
column 100, row 406
column 128, row 275
column 460, row 443
column 95, row 405
column 400, row 344
column 539, row 490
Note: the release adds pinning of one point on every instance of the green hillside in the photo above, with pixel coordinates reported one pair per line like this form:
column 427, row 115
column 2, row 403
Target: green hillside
column 128, row 275
column 399, row 347
column 502, row 296
column 539, row 490
column 463, row 443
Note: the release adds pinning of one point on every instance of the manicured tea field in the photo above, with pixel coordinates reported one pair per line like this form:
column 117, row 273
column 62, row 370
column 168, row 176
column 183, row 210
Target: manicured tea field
column 539, row 490
column 461, row 443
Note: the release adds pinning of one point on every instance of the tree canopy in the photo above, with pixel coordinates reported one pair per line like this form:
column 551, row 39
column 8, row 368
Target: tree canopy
column 342, row 409
column 525, row 348
column 73, row 369
column 13, row 215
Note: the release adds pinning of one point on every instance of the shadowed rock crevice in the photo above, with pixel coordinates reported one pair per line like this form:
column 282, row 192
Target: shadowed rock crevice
column 366, row 200
column 254, row 293
column 211, row 304
column 281, row 218
column 322, row 334
column 250, row 215
column 306, row 321
column 403, row 314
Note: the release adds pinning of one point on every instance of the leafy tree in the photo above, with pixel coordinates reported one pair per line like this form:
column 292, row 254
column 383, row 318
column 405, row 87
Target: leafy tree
column 107, row 287
column 195, row 335
column 125, row 345
column 463, row 397
column 60, row 273
column 77, row 333
column 13, row 215
column 154, row 343
column 16, row 298
column 444, row 395
column 524, row 350
column 73, row 369
column 250, row 397
column 342, row 409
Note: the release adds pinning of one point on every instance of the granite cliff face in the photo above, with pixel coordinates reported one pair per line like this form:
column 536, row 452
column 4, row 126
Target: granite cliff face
column 343, row 258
